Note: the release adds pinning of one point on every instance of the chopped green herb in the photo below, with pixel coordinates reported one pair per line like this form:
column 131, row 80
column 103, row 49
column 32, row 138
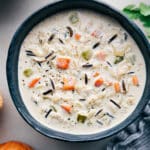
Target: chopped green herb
column 118, row 59
column 27, row 72
column 81, row 118
column 73, row 18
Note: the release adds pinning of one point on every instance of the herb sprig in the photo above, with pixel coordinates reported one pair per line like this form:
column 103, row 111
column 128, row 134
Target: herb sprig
column 142, row 13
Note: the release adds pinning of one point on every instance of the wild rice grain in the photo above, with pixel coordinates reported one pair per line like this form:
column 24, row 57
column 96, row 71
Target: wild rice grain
column 70, row 31
column 48, row 113
column 96, row 45
column 112, row 101
column 112, row 38
column 86, row 78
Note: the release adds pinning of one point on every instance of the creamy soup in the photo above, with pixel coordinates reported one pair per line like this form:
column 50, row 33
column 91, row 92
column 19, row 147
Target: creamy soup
column 80, row 72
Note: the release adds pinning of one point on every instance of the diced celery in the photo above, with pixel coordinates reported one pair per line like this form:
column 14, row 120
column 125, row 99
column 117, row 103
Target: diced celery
column 27, row 72
column 74, row 18
column 87, row 54
column 81, row 118
column 118, row 59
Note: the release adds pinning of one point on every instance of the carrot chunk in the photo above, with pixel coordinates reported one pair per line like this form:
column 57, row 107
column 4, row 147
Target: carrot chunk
column 69, row 84
column 96, row 74
column 63, row 63
column 99, row 82
column 135, row 80
column 33, row 82
column 117, row 87
column 77, row 36
column 67, row 108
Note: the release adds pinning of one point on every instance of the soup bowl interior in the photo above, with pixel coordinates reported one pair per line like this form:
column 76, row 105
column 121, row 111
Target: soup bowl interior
column 26, row 27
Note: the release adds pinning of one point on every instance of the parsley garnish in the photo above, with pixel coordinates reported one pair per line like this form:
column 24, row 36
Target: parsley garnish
column 142, row 13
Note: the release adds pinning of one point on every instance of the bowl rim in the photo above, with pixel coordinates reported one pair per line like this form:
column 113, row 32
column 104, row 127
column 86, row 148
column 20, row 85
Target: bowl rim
column 12, row 70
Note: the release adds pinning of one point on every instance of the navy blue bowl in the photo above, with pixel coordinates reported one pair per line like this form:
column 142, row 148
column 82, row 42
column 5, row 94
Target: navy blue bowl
column 12, row 65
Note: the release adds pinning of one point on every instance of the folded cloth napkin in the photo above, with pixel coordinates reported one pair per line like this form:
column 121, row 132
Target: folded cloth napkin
column 136, row 136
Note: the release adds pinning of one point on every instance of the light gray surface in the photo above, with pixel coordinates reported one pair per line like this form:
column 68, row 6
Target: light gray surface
column 12, row 126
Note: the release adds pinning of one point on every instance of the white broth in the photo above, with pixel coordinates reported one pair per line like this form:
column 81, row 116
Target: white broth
column 80, row 72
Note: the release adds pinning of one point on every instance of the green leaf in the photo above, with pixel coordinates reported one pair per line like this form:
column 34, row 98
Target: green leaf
column 147, row 30
column 144, row 9
column 132, row 14
column 131, row 8
column 142, row 13
column 145, row 21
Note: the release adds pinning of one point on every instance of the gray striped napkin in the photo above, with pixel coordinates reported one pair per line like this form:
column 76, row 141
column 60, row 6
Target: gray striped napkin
column 136, row 136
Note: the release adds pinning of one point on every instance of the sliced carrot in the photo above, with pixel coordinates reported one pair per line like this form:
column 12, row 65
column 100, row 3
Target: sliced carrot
column 69, row 84
column 96, row 74
column 99, row 82
column 77, row 36
column 101, row 56
column 67, row 108
column 33, row 82
column 135, row 80
column 117, row 87
column 63, row 63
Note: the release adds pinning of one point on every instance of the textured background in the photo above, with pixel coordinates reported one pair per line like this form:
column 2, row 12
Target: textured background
column 12, row 126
